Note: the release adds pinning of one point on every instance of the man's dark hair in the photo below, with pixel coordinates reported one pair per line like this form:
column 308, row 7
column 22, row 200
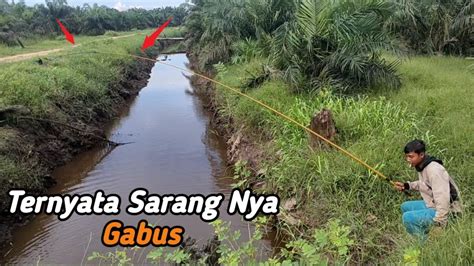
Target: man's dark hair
column 417, row 146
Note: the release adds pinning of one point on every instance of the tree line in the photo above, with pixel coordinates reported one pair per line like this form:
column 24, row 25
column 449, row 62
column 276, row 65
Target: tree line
column 17, row 20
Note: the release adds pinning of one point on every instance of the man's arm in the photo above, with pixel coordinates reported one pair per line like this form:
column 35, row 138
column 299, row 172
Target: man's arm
column 415, row 185
column 439, row 180
column 407, row 185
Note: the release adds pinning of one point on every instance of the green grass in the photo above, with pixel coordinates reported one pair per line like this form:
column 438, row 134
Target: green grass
column 437, row 90
column 433, row 104
column 65, row 76
column 36, row 45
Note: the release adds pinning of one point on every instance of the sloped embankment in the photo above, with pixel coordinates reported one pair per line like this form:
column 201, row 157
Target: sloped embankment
column 54, row 108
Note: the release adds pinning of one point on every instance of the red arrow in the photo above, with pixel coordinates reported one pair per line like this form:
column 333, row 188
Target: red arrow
column 150, row 40
column 69, row 36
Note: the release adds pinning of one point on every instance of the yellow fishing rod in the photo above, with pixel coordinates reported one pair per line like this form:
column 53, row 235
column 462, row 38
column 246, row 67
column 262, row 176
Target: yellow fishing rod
column 288, row 118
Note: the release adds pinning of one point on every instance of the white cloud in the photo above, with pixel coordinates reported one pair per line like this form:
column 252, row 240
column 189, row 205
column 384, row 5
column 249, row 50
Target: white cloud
column 122, row 7
column 119, row 6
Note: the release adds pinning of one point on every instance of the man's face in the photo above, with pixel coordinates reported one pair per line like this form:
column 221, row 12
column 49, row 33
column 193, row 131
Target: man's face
column 414, row 158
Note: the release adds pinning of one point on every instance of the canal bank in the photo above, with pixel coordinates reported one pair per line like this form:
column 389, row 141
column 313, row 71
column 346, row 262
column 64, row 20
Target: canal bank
column 35, row 140
column 171, row 150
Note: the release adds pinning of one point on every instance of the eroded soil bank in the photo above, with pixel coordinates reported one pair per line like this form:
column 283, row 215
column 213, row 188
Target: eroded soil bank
column 242, row 146
column 171, row 149
column 39, row 145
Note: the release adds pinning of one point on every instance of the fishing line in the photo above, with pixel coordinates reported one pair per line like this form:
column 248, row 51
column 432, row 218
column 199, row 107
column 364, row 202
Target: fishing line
column 286, row 117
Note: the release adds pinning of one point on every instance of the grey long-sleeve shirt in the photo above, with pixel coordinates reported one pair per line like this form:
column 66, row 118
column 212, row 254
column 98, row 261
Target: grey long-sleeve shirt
column 434, row 187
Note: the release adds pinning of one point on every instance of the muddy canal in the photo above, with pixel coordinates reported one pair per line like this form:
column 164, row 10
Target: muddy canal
column 171, row 150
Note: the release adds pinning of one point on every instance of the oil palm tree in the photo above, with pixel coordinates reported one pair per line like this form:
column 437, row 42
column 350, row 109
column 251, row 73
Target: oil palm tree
column 214, row 26
column 337, row 43
column 434, row 26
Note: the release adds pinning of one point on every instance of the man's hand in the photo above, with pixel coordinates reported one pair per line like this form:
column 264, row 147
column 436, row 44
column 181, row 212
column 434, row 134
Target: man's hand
column 399, row 186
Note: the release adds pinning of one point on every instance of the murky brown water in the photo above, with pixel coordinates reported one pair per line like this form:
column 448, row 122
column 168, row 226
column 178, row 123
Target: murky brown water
column 172, row 151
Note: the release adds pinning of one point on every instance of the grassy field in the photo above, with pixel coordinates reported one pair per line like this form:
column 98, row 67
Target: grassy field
column 70, row 74
column 433, row 104
column 66, row 76
column 36, row 45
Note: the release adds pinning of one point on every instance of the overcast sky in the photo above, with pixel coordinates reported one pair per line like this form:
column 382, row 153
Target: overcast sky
column 119, row 4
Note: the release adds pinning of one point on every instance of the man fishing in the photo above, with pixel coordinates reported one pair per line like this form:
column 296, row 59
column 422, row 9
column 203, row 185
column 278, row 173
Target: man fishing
column 438, row 190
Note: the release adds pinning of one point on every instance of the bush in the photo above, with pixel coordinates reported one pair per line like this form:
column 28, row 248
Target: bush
column 8, row 38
